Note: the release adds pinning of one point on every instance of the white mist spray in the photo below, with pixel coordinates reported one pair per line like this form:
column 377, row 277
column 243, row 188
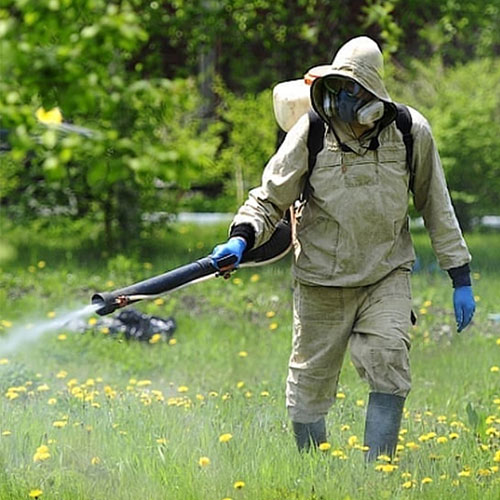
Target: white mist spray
column 20, row 336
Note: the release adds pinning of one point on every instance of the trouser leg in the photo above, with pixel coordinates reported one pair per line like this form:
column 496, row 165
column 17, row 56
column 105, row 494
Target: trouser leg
column 379, row 348
column 321, row 332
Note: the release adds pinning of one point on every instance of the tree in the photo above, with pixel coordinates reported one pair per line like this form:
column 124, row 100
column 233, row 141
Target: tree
column 76, row 55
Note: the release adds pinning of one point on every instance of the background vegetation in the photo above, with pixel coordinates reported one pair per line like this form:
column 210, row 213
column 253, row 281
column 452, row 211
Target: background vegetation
column 175, row 96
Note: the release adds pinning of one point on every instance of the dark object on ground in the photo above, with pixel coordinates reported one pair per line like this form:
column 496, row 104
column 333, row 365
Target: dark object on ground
column 132, row 324
column 139, row 326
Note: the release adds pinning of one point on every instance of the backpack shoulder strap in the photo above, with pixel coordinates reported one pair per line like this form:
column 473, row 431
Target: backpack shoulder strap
column 404, row 123
column 315, row 138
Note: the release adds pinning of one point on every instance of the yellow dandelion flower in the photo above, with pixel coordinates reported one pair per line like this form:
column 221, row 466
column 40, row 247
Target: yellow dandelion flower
column 384, row 458
column 411, row 445
column 386, row 467
column 32, row 269
column 6, row 433
column 6, row 323
column 264, row 394
column 270, row 314
column 161, row 440
column 340, row 395
column 254, row 278
column 35, row 493
column 239, row 484
column 360, row 402
column 325, row 446
column 464, row 473
column 248, row 394
column 172, row 341
column 426, row 480
column 95, row 460
column 273, row 326
column 51, row 314
column 41, row 264
column 183, row 388
column 353, row 440
column 243, row 354
column 104, row 330
column 442, row 439
column 408, row 485
column 43, row 388
column 497, row 341
column 238, row 281
column 496, row 458
column 143, row 383
column 42, row 453
column 240, row 384
column 495, row 369
column 427, row 303
column 225, row 438
column 423, row 310
column 59, row 424
column 405, row 474
column 62, row 374
column 4, row 361
column 339, row 454
column 155, row 338
column 345, row 427
column 484, row 472
column 203, row 461
column 159, row 302
column 62, row 336
column 453, row 435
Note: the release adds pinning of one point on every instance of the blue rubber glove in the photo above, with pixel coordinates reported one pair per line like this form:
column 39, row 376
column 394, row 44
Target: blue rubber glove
column 464, row 304
column 234, row 246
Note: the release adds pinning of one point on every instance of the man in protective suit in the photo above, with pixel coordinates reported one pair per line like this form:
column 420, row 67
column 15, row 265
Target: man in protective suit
column 353, row 252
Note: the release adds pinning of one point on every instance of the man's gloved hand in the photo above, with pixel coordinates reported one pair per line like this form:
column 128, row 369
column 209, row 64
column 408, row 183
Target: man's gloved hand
column 465, row 305
column 234, row 246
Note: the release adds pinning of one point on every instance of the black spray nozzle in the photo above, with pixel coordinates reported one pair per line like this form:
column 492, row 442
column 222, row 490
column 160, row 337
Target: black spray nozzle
column 275, row 248
column 157, row 285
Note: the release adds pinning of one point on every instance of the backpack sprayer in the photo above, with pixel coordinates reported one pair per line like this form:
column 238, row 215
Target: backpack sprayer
column 290, row 101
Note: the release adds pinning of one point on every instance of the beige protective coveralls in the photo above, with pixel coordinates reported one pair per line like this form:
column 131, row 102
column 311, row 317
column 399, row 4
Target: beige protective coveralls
column 353, row 252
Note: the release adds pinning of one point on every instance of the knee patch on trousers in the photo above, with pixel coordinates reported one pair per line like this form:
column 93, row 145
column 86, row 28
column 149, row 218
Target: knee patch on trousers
column 386, row 370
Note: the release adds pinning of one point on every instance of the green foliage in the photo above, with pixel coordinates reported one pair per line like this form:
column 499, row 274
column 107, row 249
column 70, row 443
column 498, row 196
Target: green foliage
column 251, row 132
column 140, row 74
column 463, row 106
column 141, row 129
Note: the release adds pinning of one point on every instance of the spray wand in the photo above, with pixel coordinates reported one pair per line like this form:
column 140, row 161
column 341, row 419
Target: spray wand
column 200, row 270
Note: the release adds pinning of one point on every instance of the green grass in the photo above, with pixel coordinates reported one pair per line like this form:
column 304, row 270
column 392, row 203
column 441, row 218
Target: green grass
column 136, row 418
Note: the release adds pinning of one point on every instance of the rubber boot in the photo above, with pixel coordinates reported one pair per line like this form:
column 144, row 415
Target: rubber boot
column 307, row 434
column 383, row 419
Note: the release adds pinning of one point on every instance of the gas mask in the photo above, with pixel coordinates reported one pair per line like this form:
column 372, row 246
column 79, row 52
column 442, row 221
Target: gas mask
column 350, row 102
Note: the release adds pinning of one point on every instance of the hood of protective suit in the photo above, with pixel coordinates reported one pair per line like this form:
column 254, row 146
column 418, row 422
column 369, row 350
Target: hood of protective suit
column 360, row 60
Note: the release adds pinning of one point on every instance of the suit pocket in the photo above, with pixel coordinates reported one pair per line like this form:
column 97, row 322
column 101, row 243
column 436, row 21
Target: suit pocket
column 316, row 247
